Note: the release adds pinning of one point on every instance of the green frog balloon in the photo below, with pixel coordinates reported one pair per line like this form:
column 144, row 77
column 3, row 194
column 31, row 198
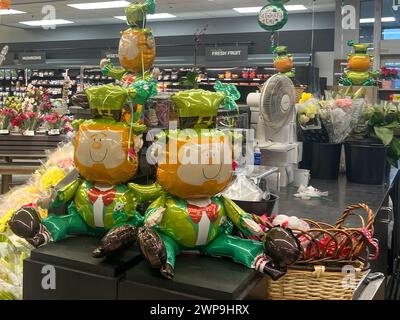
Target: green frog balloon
column 186, row 210
column 283, row 62
column 106, row 156
column 358, row 69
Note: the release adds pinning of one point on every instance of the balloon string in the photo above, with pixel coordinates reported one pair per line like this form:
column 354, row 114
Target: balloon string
column 130, row 133
column 109, row 108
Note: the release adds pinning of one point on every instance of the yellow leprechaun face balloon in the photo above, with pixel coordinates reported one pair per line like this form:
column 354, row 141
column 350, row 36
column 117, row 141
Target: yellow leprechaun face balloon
column 101, row 152
column 196, row 168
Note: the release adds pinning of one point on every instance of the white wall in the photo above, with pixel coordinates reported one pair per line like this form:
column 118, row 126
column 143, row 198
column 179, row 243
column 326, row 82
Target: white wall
column 324, row 61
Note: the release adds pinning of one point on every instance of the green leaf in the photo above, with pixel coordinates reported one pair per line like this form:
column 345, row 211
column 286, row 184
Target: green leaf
column 385, row 134
column 377, row 117
column 391, row 117
column 392, row 125
column 394, row 152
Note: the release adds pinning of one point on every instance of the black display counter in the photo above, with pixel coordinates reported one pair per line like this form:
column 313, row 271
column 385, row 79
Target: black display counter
column 196, row 277
column 76, row 274
column 127, row 276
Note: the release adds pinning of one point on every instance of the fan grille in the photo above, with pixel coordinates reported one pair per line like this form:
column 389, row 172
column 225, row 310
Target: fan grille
column 278, row 97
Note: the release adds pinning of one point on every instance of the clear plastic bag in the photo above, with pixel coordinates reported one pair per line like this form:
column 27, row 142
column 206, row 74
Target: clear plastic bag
column 244, row 189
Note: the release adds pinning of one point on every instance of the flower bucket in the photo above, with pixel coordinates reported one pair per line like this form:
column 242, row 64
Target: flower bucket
column 322, row 159
column 396, row 84
column 366, row 162
column 386, row 84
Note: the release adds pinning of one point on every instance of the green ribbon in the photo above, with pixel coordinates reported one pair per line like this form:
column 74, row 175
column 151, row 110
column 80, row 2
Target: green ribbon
column 231, row 94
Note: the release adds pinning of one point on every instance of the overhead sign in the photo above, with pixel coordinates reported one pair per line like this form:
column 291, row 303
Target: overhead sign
column 32, row 57
column 111, row 55
column 231, row 53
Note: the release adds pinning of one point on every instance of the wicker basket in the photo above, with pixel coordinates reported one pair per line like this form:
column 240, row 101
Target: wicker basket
column 319, row 284
column 326, row 249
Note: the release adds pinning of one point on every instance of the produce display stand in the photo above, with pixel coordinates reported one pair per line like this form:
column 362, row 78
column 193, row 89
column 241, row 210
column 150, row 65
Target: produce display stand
column 20, row 151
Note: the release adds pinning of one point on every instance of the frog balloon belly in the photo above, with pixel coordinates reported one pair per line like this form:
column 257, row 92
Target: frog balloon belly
column 104, row 207
column 190, row 225
column 358, row 78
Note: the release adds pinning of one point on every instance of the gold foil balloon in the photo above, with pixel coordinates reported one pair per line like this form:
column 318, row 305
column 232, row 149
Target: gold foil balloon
column 101, row 152
column 194, row 166
column 137, row 50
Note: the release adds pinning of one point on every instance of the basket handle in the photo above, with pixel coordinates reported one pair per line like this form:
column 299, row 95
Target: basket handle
column 349, row 211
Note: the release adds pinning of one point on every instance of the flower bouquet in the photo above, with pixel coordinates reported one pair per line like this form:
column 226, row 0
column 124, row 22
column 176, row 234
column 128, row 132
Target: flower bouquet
column 341, row 113
column 37, row 99
column 29, row 122
column 308, row 119
column 14, row 102
column 387, row 75
column 6, row 115
column 57, row 123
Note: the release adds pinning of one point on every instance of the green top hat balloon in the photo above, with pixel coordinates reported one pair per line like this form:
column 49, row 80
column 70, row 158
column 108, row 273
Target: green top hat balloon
column 136, row 13
column 198, row 108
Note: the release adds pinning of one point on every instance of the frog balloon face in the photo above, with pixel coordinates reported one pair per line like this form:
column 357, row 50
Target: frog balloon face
column 101, row 151
column 137, row 50
column 196, row 168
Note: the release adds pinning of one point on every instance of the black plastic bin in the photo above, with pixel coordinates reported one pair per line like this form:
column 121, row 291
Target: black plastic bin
column 322, row 159
column 258, row 207
column 366, row 162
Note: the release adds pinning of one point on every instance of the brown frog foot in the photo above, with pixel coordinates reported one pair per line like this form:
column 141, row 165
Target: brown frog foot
column 115, row 240
column 26, row 224
column 167, row 271
column 152, row 247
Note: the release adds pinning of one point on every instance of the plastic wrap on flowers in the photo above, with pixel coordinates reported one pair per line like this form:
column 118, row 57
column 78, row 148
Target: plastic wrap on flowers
column 13, row 250
column 243, row 188
column 308, row 119
column 59, row 163
column 341, row 116
column 104, row 153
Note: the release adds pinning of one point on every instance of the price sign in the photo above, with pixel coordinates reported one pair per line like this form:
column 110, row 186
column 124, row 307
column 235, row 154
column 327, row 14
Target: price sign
column 396, row 97
column 29, row 133
column 53, row 132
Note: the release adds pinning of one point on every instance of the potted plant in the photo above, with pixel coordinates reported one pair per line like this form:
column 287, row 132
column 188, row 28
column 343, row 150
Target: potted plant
column 373, row 146
column 56, row 123
column 29, row 122
column 336, row 116
column 6, row 115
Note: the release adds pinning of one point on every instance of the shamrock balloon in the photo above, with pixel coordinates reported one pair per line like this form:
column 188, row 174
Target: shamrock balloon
column 273, row 16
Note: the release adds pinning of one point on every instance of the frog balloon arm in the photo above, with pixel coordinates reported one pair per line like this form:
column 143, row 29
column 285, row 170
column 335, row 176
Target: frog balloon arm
column 145, row 193
column 66, row 193
column 158, row 203
column 155, row 212
column 240, row 218
column 109, row 71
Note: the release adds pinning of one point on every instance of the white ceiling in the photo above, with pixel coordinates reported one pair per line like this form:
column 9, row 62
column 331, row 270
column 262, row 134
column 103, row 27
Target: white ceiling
column 182, row 9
